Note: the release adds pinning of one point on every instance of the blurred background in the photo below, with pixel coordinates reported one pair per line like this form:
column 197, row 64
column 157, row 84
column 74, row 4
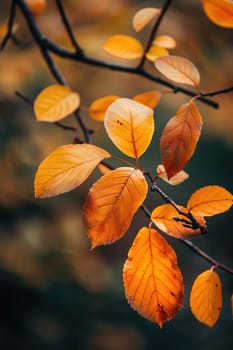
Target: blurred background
column 54, row 292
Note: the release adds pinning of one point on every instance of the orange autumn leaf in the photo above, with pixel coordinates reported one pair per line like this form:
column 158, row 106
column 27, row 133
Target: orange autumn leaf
column 178, row 69
column 152, row 280
column 165, row 41
column 149, row 99
column 163, row 217
column 130, row 126
column 156, row 51
column 176, row 179
column 66, row 168
column 206, row 298
column 98, row 108
column 36, row 7
column 55, row 103
column 219, row 12
column 124, row 46
column 209, row 201
column 179, row 138
column 111, row 204
column 143, row 17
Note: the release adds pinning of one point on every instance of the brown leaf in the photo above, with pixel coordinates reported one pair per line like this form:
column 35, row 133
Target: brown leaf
column 179, row 138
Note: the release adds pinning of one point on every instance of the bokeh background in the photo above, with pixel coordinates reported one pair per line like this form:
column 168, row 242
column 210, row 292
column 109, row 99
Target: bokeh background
column 54, row 292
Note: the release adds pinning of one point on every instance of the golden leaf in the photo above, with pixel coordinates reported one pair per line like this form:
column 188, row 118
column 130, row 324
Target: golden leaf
column 177, row 179
column 55, row 103
column 165, row 41
column 149, row 99
column 163, row 217
column 206, row 298
column 219, row 12
column 179, row 138
column 130, row 126
column 111, row 204
column 209, row 201
column 152, row 280
column 155, row 52
column 66, row 168
column 143, row 17
column 98, row 108
column 124, row 46
column 178, row 69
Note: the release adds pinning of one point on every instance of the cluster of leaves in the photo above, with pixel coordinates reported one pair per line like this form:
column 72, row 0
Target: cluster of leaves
column 152, row 279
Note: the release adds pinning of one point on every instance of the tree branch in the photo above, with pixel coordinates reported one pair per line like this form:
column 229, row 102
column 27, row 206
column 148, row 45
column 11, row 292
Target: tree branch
column 154, row 30
column 9, row 35
column 68, row 27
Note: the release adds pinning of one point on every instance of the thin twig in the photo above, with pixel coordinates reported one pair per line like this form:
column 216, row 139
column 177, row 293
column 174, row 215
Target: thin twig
column 68, row 27
column 10, row 25
column 217, row 92
column 154, row 30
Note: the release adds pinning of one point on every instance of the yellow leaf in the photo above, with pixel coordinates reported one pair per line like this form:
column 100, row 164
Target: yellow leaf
column 143, row 17
column 219, row 12
column 104, row 169
column 178, row 69
column 156, row 52
column 209, row 201
column 149, row 99
column 66, row 168
column 152, row 280
column 176, row 179
column 206, row 298
column 163, row 217
column 98, row 108
column 130, row 126
column 179, row 138
column 55, row 103
column 124, row 46
column 111, row 204
column 165, row 41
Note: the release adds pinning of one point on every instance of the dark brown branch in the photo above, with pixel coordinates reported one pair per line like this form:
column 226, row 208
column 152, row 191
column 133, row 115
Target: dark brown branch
column 217, row 92
column 154, row 30
column 9, row 35
column 67, row 26
column 83, row 58
column 196, row 249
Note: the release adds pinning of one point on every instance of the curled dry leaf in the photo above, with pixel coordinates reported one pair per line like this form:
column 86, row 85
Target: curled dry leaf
column 206, row 298
column 111, row 204
column 177, row 179
column 179, row 138
column 209, row 201
column 163, row 217
column 55, row 103
column 152, row 280
column 149, row 99
column 98, row 108
column 165, row 41
column 66, row 168
column 130, row 126
column 143, row 17
column 124, row 46
column 156, row 52
column 219, row 12
column 178, row 69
